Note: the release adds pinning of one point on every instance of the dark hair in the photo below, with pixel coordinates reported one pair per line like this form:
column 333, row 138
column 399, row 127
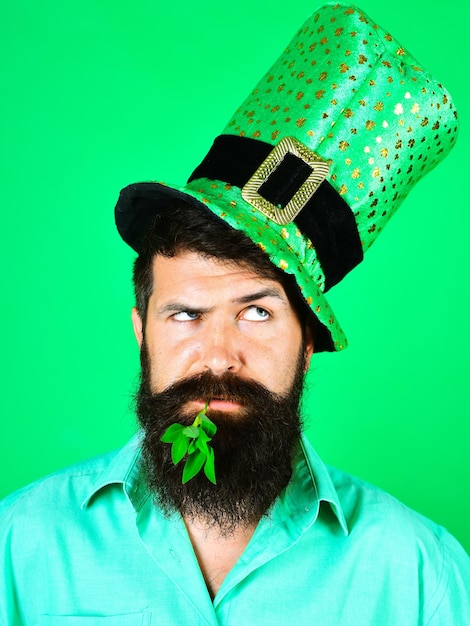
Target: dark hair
column 194, row 229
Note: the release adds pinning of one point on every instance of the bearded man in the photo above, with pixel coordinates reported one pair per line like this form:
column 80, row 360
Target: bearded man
column 219, row 511
column 227, row 328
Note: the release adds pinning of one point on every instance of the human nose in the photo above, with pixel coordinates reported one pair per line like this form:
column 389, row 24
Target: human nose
column 221, row 350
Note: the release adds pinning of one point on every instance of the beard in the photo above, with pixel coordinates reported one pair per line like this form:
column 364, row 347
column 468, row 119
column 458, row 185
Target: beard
column 253, row 446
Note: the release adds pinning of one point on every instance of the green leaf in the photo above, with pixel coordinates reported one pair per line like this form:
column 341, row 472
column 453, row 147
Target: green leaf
column 179, row 448
column 203, row 436
column 209, row 466
column 172, row 433
column 193, row 464
column 202, row 445
column 192, row 432
column 193, row 441
column 208, row 426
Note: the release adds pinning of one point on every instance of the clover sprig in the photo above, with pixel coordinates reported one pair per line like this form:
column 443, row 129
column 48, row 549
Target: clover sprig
column 193, row 442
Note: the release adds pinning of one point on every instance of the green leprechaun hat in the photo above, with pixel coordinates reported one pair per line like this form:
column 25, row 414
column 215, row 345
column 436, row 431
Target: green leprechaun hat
column 320, row 155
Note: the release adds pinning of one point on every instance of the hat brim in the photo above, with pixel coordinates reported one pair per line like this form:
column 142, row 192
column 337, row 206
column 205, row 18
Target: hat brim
column 140, row 203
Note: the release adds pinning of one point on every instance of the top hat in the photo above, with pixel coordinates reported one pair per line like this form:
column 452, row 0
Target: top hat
column 319, row 156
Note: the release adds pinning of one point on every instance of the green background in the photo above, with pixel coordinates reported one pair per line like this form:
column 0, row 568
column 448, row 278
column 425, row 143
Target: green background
column 99, row 94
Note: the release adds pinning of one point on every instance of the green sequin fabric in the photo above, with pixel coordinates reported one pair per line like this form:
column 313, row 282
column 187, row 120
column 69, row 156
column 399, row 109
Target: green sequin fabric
column 346, row 89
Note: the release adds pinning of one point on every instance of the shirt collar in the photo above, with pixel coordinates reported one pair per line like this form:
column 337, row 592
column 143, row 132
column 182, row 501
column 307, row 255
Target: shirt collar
column 317, row 473
column 125, row 470
column 310, row 486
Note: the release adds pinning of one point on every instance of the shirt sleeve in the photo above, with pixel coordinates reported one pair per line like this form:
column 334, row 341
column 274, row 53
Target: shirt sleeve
column 9, row 609
column 452, row 606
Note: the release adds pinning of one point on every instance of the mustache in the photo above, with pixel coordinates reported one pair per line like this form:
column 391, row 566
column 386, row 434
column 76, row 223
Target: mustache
column 206, row 386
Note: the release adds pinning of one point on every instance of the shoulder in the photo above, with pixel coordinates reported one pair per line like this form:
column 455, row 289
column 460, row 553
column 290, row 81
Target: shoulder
column 370, row 510
column 420, row 552
column 76, row 484
column 69, row 486
column 367, row 507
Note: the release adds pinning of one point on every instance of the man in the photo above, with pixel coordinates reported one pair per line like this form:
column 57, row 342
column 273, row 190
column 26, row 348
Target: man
column 230, row 307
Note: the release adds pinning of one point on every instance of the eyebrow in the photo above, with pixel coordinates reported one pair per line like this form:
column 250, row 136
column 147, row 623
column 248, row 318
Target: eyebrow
column 175, row 307
column 268, row 292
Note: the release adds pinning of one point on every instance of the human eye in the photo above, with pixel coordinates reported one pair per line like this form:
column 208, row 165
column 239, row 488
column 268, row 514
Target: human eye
column 255, row 314
column 185, row 316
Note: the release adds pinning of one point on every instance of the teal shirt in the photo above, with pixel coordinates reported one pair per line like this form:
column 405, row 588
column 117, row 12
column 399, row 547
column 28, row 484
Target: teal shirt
column 87, row 547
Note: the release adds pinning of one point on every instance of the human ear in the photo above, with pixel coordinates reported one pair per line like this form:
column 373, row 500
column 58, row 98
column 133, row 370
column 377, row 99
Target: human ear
column 309, row 346
column 137, row 326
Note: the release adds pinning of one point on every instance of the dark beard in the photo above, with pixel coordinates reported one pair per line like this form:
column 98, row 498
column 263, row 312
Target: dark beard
column 253, row 448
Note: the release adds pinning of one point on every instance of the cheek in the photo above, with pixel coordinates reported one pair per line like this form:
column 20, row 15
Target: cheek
column 278, row 371
column 295, row 359
column 170, row 360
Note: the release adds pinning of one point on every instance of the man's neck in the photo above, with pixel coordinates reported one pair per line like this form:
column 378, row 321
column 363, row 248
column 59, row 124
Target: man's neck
column 216, row 551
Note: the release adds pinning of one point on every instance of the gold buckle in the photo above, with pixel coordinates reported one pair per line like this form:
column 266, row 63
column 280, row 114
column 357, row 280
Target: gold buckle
column 320, row 169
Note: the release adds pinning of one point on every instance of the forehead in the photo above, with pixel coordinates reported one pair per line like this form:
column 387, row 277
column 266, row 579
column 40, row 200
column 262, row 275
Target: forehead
column 191, row 272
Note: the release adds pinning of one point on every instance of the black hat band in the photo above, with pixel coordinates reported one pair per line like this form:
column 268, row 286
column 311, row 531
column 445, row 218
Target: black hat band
column 326, row 219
